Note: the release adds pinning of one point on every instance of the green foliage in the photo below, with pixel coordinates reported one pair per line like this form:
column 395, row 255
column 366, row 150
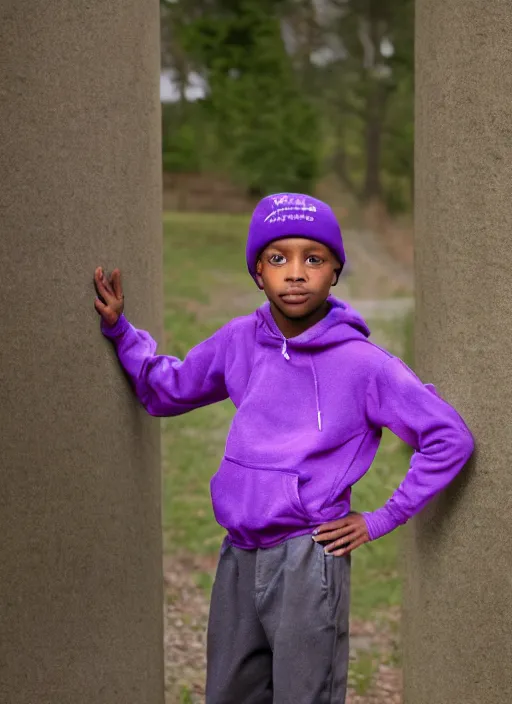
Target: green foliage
column 266, row 131
column 181, row 152
column 275, row 120
column 269, row 132
column 186, row 695
column 362, row 672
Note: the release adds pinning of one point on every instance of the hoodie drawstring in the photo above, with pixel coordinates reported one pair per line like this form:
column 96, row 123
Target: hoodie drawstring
column 318, row 411
column 285, row 354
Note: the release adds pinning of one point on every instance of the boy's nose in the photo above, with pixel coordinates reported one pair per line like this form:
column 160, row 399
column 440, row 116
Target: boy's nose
column 295, row 271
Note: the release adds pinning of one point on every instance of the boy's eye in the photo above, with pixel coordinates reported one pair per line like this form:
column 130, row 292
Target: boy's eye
column 281, row 259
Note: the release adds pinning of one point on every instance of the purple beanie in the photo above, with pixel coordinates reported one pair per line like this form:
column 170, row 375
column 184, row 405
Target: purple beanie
column 292, row 215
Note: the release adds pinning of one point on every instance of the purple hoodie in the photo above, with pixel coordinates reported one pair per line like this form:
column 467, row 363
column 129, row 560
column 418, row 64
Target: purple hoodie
column 309, row 414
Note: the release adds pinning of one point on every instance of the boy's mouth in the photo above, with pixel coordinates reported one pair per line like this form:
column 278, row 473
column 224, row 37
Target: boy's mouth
column 295, row 297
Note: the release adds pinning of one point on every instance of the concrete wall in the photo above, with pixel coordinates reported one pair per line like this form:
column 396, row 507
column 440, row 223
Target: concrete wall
column 458, row 596
column 80, row 529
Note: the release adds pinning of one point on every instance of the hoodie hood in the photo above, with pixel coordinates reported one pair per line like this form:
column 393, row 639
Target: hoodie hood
column 342, row 323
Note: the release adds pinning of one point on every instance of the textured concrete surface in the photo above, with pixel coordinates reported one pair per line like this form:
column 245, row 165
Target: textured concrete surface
column 458, row 596
column 80, row 537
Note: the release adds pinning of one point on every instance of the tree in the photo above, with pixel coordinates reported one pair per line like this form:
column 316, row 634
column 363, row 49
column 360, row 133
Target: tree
column 289, row 81
column 357, row 59
column 267, row 129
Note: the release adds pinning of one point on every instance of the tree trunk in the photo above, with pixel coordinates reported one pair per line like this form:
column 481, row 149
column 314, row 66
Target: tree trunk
column 376, row 104
column 373, row 29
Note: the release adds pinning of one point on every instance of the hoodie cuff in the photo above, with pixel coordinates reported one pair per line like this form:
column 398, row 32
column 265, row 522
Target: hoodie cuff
column 116, row 330
column 380, row 522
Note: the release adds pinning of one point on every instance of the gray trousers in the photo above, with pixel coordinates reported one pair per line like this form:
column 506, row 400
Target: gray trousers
column 278, row 626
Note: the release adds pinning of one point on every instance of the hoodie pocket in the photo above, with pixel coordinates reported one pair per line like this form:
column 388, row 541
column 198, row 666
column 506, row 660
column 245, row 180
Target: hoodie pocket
column 255, row 504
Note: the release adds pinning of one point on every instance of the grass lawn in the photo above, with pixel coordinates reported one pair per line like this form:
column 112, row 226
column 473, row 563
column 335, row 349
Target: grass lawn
column 206, row 284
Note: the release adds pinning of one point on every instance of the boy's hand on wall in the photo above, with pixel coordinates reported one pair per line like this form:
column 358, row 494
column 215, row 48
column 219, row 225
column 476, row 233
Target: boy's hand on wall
column 110, row 301
column 343, row 536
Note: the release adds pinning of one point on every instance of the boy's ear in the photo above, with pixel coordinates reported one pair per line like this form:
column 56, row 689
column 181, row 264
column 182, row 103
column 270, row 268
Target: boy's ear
column 336, row 274
column 259, row 280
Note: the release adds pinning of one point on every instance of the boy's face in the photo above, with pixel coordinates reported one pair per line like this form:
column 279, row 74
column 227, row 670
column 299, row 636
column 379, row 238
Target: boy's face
column 296, row 275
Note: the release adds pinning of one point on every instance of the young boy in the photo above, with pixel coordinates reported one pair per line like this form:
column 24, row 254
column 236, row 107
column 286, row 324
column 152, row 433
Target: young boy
column 312, row 395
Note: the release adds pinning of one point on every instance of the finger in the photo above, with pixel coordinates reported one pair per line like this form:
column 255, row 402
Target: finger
column 100, row 307
column 103, row 288
column 332, row 525
column 102, row 279
column 97, row 276
column 352, row 546
column 116, row 283
column 341, row 542
column 107, row 281
column 337, row 533
column 333, row 535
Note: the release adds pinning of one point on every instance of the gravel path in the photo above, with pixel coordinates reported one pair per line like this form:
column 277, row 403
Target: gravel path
column 383, row 308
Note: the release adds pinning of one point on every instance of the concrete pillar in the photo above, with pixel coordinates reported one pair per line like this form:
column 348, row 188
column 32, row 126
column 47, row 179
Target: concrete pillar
column 458, row 594
column 80, row 536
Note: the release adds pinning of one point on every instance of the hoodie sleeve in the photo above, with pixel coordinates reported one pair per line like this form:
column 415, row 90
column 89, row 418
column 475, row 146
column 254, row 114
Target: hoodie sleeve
column 398, row 400
column 165, row 385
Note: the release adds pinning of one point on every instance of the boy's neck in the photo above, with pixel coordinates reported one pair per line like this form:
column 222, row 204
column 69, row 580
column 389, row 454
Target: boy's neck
column 291, row 327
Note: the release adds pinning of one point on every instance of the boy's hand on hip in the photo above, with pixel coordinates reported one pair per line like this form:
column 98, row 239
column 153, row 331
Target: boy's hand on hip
column 343, row 536
column 110, row 301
